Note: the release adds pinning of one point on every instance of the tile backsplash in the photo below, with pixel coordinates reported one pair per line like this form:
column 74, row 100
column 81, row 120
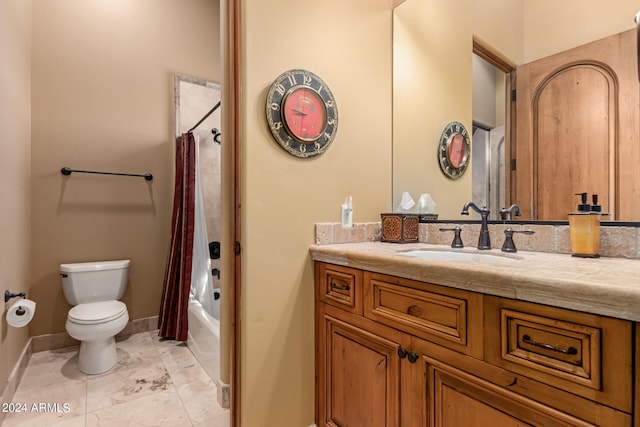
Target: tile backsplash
column 329, row 233
column 619, row 242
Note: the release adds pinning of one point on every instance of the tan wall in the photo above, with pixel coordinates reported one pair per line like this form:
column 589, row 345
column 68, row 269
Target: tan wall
column 348, row 44
column 15, row 131
column 526, row 30
column 552, row 26
column 497, row 24
column 103, row 100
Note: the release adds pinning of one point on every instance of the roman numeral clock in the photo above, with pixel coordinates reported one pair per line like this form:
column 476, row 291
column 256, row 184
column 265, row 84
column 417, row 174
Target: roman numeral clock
column 301, row 113
column 454, row 150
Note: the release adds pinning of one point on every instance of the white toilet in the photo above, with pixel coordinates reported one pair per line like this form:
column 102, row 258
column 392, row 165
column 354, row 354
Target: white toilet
column 94, row 288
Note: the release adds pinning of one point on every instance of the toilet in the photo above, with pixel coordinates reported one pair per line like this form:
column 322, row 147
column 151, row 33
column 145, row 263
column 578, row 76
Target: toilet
column 97, row 315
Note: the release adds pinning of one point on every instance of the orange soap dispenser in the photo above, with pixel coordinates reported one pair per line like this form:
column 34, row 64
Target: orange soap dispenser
column 584, row 228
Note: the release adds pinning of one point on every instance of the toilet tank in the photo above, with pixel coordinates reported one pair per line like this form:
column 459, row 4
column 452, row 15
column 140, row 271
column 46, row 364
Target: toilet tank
column 94, row 281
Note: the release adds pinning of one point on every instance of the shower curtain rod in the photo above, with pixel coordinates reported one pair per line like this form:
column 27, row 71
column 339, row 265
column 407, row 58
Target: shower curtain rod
column 205, row 117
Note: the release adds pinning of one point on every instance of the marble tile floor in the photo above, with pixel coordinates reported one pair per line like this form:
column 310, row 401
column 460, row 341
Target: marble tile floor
column 155, row 383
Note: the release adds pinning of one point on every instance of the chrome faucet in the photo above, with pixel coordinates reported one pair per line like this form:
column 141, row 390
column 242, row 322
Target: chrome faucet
column 506, row 213
column 484, row 242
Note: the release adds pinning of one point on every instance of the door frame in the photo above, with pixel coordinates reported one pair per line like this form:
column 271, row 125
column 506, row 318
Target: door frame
column 230, row 12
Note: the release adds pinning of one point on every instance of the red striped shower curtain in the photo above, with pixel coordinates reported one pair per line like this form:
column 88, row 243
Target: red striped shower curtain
column 177, row 281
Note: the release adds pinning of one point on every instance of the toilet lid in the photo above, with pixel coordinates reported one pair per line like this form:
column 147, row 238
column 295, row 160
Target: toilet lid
column 96, row 312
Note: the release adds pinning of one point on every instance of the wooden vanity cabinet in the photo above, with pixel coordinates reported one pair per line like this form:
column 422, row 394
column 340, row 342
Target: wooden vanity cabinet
column 397, row 352
column 367, row 375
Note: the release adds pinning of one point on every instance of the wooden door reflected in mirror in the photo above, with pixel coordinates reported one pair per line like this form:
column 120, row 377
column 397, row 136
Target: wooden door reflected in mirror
column 577, row 130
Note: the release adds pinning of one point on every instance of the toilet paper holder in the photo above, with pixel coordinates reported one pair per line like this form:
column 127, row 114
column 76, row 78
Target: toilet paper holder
column 8, row 295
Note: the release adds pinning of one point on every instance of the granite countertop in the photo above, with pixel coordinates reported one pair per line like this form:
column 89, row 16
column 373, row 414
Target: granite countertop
column 605, row 286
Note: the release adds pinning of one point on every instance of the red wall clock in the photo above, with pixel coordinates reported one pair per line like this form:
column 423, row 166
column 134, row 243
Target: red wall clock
column 301, row 113
column 454, row 150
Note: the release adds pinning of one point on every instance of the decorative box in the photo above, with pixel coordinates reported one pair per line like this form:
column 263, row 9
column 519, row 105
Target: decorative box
column 399, row 227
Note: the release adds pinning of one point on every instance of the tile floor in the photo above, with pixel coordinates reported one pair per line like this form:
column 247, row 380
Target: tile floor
column 155, row 383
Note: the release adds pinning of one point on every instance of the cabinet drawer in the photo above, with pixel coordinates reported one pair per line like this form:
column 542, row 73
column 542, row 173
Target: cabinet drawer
column 449, row 317
column 564, row 349
column 585, row 354
column 340, row 287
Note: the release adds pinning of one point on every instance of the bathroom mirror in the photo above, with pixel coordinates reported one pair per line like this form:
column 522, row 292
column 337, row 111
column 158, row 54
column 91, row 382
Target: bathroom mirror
column 433, row 80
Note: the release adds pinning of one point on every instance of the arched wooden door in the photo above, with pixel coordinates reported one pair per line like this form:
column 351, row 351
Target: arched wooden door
column 577, row 130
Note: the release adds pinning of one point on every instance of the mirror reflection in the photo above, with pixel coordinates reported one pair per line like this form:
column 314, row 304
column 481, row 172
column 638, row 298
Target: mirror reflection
column 537, row 164
column 488, row 149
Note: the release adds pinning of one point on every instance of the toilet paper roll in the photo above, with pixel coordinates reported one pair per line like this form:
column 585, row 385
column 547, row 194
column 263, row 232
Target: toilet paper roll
column 21, row 313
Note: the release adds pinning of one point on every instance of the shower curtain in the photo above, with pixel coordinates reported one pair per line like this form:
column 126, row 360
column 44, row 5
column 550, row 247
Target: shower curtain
column 201, row 279
column 177, row 282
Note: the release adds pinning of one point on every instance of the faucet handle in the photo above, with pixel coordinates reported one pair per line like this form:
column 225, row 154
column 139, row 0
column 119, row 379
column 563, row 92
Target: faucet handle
column 509, row 245
column 457, row 241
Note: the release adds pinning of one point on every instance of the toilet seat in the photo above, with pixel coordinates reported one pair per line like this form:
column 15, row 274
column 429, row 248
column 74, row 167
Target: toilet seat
column 93, row 313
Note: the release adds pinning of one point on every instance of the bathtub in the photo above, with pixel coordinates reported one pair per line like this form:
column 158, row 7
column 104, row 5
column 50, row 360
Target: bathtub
column 204, row 336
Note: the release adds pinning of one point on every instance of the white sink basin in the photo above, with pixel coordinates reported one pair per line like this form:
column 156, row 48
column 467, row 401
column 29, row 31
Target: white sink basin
column 439, row 255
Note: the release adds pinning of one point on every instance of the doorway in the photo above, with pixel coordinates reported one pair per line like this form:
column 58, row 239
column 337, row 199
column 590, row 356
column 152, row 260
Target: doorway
column 488, row 147
column 195, row 112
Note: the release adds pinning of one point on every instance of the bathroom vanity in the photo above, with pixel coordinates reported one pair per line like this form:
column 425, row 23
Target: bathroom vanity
column 407, row 335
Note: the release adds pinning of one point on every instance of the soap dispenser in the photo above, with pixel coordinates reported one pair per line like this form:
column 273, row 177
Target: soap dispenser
column 584, row 228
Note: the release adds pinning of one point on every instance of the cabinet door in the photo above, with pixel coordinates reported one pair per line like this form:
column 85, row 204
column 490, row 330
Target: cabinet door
column 454, row 398
column 359, row 381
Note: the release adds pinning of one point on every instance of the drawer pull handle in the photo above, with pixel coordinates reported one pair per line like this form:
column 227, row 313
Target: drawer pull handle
column 339, row 287
column 414, row 310
column 402, row 352
column 571, row 350
column 413, row 358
